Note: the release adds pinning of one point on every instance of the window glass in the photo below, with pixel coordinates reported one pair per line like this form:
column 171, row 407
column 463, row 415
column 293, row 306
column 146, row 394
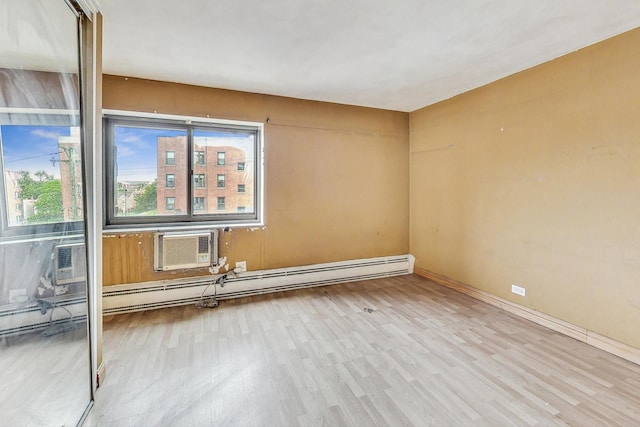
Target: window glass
column 199, row 158
column 170, row 203
column 42, row 174
column 199, row 180
column 198, row 203
column 142, row 155
column 230, row 149
column 170, row 158
column 170, row 171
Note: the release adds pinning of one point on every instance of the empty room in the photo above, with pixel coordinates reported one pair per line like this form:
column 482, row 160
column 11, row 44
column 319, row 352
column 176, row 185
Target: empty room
column 319, row 213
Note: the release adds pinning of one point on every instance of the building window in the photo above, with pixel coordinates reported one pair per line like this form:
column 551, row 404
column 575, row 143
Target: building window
column 241, row 209
column 171, row 203
column 199, row 158
column 199, row 180
column 198, row 203
column 171, row 180
column 241, row 188
column 240, row 166
column 151, row 176
column 170, row 158
column 41, row 169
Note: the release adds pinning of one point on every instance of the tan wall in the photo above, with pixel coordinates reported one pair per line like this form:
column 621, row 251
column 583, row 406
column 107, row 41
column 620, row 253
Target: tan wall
column 534, row 180
column 337, row 179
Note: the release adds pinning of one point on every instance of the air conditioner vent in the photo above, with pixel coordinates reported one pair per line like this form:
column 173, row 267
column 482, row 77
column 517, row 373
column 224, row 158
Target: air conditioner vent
column 173, row 251
column 70, row 263
column 203, row 244
column 64, row 257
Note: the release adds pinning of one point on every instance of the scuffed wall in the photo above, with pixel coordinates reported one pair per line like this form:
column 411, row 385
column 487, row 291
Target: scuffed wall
column 336, row 179
column 533, row 180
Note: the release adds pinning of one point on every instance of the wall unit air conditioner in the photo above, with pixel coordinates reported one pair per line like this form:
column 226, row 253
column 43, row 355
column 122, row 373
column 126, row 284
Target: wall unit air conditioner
column 70, row 263
column 173, row 250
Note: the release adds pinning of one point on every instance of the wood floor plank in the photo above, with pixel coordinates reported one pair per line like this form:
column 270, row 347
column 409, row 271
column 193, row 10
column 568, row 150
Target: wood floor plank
column 388, row 352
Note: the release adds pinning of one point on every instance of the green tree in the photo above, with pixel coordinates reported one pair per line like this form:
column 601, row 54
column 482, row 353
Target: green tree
column 49, row 203
column 147, row 199
column 47, row 193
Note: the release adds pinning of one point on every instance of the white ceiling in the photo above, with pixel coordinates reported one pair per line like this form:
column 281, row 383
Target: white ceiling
column 398, row 55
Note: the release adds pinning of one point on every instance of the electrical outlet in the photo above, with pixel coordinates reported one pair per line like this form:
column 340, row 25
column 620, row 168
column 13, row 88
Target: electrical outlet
column 241, row 267
column 518, row 290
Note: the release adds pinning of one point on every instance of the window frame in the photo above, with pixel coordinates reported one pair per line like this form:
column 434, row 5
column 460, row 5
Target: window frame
column 39, row 117
column 173, row 180
column 166, row 158
column 173, row 200
column 192, row 218
column 221, row 160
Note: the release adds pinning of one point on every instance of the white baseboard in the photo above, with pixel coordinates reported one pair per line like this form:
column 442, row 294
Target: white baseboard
column 594, row 339
column 165, row 293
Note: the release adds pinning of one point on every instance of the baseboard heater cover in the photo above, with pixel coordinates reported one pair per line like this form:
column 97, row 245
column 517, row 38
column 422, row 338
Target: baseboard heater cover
column 29, row 318
column 166, row 293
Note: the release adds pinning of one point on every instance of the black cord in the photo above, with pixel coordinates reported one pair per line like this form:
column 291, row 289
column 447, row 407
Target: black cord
column 212, row 302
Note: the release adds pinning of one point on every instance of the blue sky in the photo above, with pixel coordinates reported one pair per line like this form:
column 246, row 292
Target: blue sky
column 137, row 149
column 137, row 152
column 31, row 147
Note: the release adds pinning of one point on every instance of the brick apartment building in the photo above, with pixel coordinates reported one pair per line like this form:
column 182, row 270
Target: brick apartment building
column 222, row 177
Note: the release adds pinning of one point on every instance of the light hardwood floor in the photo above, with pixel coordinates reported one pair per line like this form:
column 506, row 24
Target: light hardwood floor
column 397, row 351
column 44, row 380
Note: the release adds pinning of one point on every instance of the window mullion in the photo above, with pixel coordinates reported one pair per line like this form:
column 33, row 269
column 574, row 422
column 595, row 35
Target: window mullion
column 190, row 171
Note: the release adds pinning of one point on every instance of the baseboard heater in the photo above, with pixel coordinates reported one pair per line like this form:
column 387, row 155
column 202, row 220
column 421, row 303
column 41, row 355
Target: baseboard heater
column 29, row 317
column 166, row 293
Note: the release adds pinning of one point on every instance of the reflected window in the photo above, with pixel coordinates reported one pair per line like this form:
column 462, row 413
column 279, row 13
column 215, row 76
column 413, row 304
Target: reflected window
column 42, row 171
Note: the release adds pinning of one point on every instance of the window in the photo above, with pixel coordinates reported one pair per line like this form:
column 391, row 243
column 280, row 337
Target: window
column 199, row 158
column 241, row 188
column 198, row 203
column 170, row 203
column 199, row 180
column 137, row 153
column 171, row 180
column 40, row 171
column 241, row 208
column 170, row 158
column 240, row 166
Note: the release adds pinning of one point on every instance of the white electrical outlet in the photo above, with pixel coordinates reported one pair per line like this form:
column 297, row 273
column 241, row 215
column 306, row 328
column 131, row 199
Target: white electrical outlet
column 518, row 290
column 241, row 267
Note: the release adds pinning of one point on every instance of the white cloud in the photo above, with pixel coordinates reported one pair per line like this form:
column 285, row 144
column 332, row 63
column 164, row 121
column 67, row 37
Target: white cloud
column 45, row 134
